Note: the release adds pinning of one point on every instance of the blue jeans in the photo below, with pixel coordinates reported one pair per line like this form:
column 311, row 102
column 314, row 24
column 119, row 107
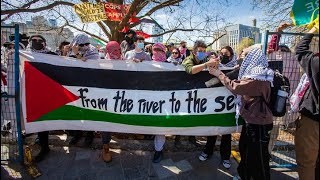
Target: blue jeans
column 106, row 137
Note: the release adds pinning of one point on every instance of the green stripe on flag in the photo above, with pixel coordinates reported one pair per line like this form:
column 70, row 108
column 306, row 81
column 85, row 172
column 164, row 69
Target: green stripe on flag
column 75, row 113
column 99, row 41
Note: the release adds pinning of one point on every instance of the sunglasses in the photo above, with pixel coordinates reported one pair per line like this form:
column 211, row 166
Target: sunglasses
column 85, row 44
column 175, row 53
column 37, row 40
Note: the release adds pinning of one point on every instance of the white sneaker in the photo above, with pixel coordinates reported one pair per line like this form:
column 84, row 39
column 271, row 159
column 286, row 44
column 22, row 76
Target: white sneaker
column 203, row 156
column 226, row 164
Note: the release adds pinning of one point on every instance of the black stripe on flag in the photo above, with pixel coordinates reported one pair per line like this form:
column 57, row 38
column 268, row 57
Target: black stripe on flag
column 119, row 79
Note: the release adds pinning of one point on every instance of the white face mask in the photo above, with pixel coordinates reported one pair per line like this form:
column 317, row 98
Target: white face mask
column 101, row 55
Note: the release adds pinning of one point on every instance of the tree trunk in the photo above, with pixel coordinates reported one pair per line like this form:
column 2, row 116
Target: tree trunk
column 117, row 36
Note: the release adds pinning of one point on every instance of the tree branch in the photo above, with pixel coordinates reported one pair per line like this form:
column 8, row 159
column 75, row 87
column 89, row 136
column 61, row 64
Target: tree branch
column 162, row 5
column 23, row 6
column 126, row 18
column 216, row 39
column 93, row 35
column 173, row 30
column 103, row 28
column 50, row 6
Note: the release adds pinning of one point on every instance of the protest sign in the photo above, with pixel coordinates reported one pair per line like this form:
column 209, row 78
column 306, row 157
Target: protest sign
column 89, row 12
column 121, row 96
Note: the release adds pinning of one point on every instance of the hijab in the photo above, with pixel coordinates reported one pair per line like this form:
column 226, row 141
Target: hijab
column 159, row 55
column 113, row 51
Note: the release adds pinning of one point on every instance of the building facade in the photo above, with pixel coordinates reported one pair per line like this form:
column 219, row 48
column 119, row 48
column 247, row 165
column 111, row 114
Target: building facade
column 235, row 33
column 46, row 28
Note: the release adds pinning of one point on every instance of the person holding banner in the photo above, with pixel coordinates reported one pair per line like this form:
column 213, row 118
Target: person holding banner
column 159, row 55
column 81, row 48
column 137, row 54
column 198, row 60
column 175, row 57
column 159, row 52
column 253, row 90
column 227, row 59
column 113, row 51
column 193, row 64
column 37, row 43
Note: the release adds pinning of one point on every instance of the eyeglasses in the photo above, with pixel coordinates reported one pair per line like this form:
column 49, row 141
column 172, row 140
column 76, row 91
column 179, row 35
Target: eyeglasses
column 39, row 40
column 85, row 44
column 175, row 53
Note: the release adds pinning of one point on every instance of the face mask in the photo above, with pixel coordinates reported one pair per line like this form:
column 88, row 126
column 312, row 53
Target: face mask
column 184, row 46
column 224, row 59
column 101, row 55
column 201, row 56
column 140, row 45
column 37, row 46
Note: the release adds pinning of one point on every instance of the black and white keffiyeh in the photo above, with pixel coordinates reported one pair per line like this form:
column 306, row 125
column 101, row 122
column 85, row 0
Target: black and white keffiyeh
column 254, row 66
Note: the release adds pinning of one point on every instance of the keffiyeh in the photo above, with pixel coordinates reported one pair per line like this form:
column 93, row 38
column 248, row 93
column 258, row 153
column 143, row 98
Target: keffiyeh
column 80, row 39
column 254, row 66
column 159, row 55
column 113, row 50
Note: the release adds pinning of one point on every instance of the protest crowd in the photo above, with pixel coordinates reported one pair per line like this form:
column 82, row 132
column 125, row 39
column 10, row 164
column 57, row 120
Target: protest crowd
column 251, row 81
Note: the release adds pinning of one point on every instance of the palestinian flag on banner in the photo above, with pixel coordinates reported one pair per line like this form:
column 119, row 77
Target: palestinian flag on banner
column 121, row 96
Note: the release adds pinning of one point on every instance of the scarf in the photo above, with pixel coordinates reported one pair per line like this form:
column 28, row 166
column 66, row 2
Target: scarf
column 254, row 66
column 44, row 51
column 159, row 55
column 89, row 52
column 80, row 39
column 113, row 50
column 231, row 63
column 171, row 59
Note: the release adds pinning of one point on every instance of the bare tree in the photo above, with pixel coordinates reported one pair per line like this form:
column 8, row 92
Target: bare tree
column 197, row 18
column 276, row 11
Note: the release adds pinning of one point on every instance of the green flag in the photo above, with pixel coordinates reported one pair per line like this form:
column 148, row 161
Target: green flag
column 304, row 11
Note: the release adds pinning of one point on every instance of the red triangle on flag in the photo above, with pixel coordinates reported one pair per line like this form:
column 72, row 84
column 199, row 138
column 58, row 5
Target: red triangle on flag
column 143, row 34
column 133, row 20
column 125, row 29
column 43, row 94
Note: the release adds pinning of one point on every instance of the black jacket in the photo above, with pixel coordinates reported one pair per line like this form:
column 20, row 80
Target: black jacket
column 310, row 63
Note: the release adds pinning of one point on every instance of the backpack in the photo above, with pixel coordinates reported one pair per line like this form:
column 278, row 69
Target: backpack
column 280, row 83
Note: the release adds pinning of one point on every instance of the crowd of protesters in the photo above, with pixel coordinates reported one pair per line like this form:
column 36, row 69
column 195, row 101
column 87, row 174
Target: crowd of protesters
column 252, row 89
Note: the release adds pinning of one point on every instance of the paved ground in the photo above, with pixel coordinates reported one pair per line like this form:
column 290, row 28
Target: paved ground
column 130, row 163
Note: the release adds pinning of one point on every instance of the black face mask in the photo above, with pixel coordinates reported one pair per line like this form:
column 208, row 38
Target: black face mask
column 184, row 46
column 224, row 59
column 37, row 46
